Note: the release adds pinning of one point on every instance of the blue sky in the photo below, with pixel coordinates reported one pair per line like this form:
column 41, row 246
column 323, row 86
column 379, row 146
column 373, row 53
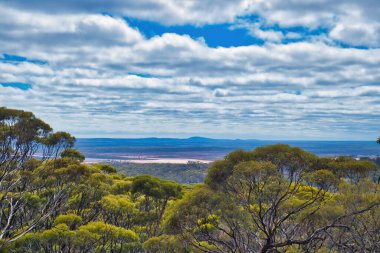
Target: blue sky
column 216, row 68
column 227, row 35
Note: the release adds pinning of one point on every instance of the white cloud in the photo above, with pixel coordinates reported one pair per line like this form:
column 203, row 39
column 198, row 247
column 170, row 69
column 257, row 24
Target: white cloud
column 357, row 33
column 102, row 70
column 355, row 22
column 255, row 30
column 50, row 30
column 169, row 12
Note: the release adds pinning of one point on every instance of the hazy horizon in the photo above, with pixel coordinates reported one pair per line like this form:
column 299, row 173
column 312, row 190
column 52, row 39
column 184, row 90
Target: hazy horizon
column 214, row 138
column 205, row 149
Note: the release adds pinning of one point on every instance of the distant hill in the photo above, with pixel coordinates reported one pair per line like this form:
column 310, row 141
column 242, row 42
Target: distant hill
column 207, row 148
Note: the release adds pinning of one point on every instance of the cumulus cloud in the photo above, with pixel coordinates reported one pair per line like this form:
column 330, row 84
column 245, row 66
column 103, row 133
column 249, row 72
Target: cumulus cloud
column 94, row 73
column 169, row 12
column 357, row 33
column 50, row 30
column 255, row 30
column 354, row 22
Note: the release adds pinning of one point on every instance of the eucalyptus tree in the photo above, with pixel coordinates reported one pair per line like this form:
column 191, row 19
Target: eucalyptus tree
column 273, row 199
column 25, row 201
column 152, row 196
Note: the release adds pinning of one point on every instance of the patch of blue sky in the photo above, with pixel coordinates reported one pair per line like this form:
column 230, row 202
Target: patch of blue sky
column 346, row 45
column 303, row 33
column 297, row 33
column 302, row 30
column 230, row 35
column 220, row 35
column 9, row 58
column 145, row 75
column 227, row 35
column 17, row 85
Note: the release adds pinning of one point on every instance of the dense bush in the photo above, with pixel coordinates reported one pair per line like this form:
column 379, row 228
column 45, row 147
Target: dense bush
column 273, row 199
column 189, row 173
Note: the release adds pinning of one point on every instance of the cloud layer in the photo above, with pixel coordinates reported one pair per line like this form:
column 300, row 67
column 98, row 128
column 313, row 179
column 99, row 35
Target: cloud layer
column 92, row 73
column 355, row 22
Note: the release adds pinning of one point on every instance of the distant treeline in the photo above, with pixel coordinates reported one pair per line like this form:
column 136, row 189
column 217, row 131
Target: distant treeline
column 189, row 173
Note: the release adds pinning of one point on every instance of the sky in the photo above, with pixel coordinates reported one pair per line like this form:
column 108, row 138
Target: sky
column 257, row 69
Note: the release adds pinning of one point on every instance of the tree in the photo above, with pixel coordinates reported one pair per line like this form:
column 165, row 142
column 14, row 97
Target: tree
column 164, row 244
column 54, row 143
column 103, row 237
column 153, row 195
column 106, row 168
column 360, row 232
column 349, row 168
column 277, row 200
column 118, row 210
column 22, row 135
column 73, row 153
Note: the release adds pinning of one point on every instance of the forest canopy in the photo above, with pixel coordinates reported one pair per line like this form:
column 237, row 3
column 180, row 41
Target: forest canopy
column 275, row 198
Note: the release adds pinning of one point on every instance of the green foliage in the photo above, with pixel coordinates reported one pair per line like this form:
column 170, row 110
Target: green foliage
column 73, row 153
column 324, row 179
column 164, row 244
column 71, row 220
column 99, row 236
column 221, row 170
column 252, row 196
column 121, row 186
column 29, row 192
column 189, row 173
column 289, row 160
column 283, row 197
column 194, row 206
column 21, row 125
column 106, row 168
column 273, row 199
column 155, row 187
column 349, row 168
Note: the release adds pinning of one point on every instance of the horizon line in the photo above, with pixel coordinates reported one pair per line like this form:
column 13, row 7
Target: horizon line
column 229, row 139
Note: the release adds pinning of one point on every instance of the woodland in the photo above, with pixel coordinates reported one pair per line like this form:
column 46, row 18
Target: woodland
column 275, row 198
